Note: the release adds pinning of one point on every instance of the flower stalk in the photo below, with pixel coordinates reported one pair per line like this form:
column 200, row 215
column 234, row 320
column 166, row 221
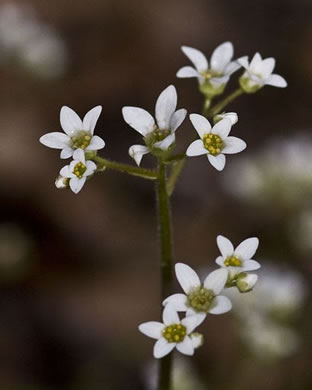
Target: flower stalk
column 216, row 109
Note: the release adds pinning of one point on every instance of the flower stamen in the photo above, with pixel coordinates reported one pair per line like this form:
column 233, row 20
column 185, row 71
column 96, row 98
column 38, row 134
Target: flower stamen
column 81, row 140
column 174, row 333
column 79, row 170
column 232, row 261
column 200, row 299
column 213, row 143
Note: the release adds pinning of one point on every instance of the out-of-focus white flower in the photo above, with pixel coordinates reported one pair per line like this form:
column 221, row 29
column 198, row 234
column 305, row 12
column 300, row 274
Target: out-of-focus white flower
column 259, row 73
column 212, row 79
column 79, row 134
column 246, row 282
column 200, row 298
column 214, row 142
column 78, row 171
column 172, row 333
column 232, row 116
column 158, row 136
column 197, row 339
column 239, row 259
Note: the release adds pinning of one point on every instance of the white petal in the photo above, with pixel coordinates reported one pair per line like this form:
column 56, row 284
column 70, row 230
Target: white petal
column 152, row 329
column 216, row 280
column 225, row 246
column 221, row 56
column 250, row 265
column 233, row 145
column 243, row 61
column 220, row 261
column 255, row 63
column 231, row 68
column 197, row 57
column 137, row 152
column 67, row 152
column 276, row 81
column 76, row 184
column 170, row 316
column 267, row 67
column 196, row 148
column 186, row 72
column 66, row 172
column 217, row 162
column 190, row 322
column 91, row 167
column 201, row 124
column 186, row 346
column 70, row 121
column 197, row 340
column 139, row 119
column 55, row 140
column 165, row 107
column 79, row 155
column 221, row 305
column 177, row 301
column 222, row 128
column 177, row 118
column 200, row 316
column 96, row 143
column 90, row 119
column 247, row 248
column 187, row 277
column 232, row 116
column 162, row 348
column 166, row 142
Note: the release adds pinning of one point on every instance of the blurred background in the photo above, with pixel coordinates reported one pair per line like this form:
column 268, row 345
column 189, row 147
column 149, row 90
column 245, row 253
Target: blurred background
column 78, row 273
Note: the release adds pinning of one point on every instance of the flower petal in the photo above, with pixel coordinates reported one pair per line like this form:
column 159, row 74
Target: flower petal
column 177, row 301
column 243, row 61
column 250, row 265
column 90, row 119
column 220, row 261
column 233, row 145
column 96, row 143
column 186, row 346
column 191, row 322
column 76, row 184
column 170, row 316
column 187, row 277
column 166, row 142
column 186, row 72
column 201, row 124
column 222, row 128
column 137, row 152
column 70, row 121
column 267, row 67
column 162, row 348
column 217, row 162
column 152, row 329
column 177, row 118
column 165, row 107
column 79, row 155
column 67, row 152
column 221, row 56
column 276, row 81
column 216, row 280
column 197, row 57
column 225, row 246
column 255, row 64
column 139, row 119
column 247, row 248
column 221, row 305
column 91, row 167
column 196, row 148
column 232, row 116
column 66, row 172
column 231, row 67
column 55, row 140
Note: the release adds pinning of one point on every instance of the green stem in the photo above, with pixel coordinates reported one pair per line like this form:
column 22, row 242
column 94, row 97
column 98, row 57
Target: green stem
column 219, row 106
column 176, row 170
column 206, row 106
column 164, row 215
column 125, row 168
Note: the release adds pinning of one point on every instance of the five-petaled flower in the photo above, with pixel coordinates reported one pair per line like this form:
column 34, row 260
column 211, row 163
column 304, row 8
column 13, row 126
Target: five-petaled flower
column 78, row 133
column 212, row 79
column 214, row 142
column 259, row 73
column 239, row 259
column 160, row 136
column 199, row 298
column 172, row 333
column 78, row 170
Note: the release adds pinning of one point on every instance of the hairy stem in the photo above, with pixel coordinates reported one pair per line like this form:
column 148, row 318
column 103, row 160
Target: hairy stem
column 176, row 170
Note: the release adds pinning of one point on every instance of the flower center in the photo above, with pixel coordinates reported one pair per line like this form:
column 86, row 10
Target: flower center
column 174, row 333
column 79, row 169
column 209, row 74
column 213, row 143
column 81, row 140
column 232, row 261
column 156, row 136
column 200, row 299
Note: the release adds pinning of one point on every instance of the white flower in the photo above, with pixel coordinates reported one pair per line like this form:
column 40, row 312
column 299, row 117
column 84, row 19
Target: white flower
column 220, row 69
column 79, row 134
column 238, row 260
column 61, row 182
column 232, row 116
column 246, row 282
column 259, row 73
column 200, row 298
column 156, row 136
column 78, row 170
column 214, row 142
column 171, row 333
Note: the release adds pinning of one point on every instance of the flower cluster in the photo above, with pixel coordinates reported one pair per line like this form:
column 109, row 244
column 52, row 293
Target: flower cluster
column 202, row 298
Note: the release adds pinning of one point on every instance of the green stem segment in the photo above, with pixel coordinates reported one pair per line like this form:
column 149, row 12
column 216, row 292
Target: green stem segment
column 102, row 163
column 216, row 109
column 164, row 215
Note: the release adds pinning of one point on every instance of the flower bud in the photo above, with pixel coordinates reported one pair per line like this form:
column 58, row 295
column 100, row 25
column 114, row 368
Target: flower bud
column 61, row 182
column 197, row 339
column 246, row 282
column 232, row 116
